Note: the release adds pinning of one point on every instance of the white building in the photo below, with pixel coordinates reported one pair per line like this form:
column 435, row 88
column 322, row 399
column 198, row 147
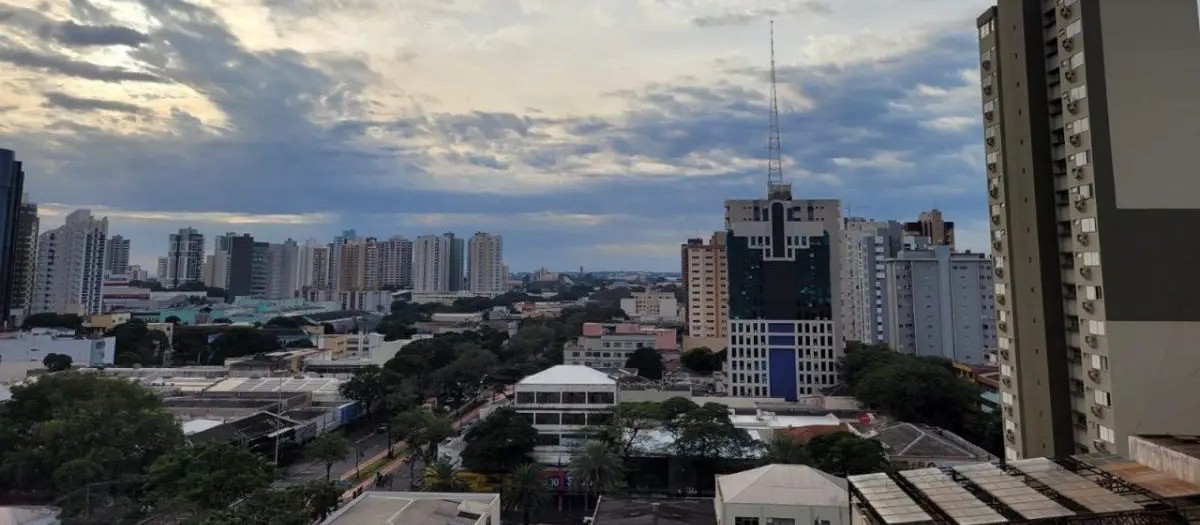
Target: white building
column 418, row 508
column 782, row 494
column 485, row 259
column 35, row 345
column 942, row 304
column 652, row 307
column 70, row 266
column 562, row 402
column 431, row 263
column 282, row 270
column 866, row 247
column 396, row 263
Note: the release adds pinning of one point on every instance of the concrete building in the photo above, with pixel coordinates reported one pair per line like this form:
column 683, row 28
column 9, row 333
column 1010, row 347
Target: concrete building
column 185, row 258
column 941, row 304
column 396, row 263
column 1090, row 133
column 485, row 256
column 929, row 224
column 779, row 494
column 704, row 279
column 609, row 345
column 282, row 270
column 357, row 265
column 217, row 265
column 320, row 267
column 116, row 255
column 12, row 187
column 562, row 402
column 431, row 264
column 247, row 271
column 866, row 245
column 418, row 508
column 35, row 345
column 70, row 266
column 457, row 261
column 24, row 262
column 784, row 294
column 305, row 269
column 652, row 307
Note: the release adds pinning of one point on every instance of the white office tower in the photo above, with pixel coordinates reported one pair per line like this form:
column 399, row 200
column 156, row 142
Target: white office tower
column 217, row 273
column 431, row 263
column 70, row 266
column 282, row 264
column 485, row 257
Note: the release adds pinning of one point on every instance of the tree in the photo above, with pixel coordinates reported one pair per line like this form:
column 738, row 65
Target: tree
column 240, row 341
column 708, row 432
column 283, row 322
column 499, row 443
column 301, row 343
column 525, row 490
column 328, row 449
column 293, row 505
column 442, row 476
column 208, row 477
column 173, row 319
column 630, row 424
column 52, row 320
column 701, row 360
column 596, row 468
column 57, row 362
column 843, row 453
column 648, row 363
column 788, row 451
column 367, row 387
column 422, row 431
column 192, row 286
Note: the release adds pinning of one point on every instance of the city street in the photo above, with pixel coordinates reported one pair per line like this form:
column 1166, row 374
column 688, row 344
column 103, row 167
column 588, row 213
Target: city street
column 365, row 443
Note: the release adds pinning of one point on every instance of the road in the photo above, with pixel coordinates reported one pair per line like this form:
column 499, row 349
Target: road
column 365, row 444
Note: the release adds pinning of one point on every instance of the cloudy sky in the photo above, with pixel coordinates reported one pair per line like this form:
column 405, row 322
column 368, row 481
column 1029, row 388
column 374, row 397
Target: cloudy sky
column 587, row 132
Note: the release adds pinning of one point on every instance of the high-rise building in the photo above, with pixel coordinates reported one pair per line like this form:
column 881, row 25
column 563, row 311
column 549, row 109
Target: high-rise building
column 1090, row 119
column 12, row 187
column 70, row 266
column 396, row 263
column 357, row 265
column 930, row 224
column 704, row 281
column 485, row 256
column 431, row 263
column 217, row 265
column 162, row 269
column 784, row 303
column 866, row 245
column 940, row 304
column 248, row 267
column 305, row 274
column 320, row 268
column 116, row 255
column 282, row 273
column 25, row 259
column 458, row 254
column 185, row 258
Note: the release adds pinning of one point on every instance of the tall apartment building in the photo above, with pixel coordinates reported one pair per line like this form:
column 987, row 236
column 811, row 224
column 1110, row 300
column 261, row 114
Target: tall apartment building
column 940, row 304
column 248, row 267
column 396, row 263
column 431, row 263
column 12, row 187
column 866, row 246
column 282, row 270
column 706, row 285
column 930, row 224
column 216, row 266
column 783, row 258
column 116, row 255
column 458, row 252
column 70, row 266
column 1090, row 120
column 320, row 268
column 185, row 258
column 485, row 255
column 357, row 265
column 24, row 260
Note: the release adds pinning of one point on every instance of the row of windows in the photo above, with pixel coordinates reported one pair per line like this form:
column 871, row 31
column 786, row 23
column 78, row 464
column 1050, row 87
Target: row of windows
column 750, row 327
column 761, row 379
column 761, row 353
column 567, row 418
column 566, row 398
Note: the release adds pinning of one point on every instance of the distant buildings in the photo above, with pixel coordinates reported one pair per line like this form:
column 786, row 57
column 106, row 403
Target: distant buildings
column 485, row 256
column 282, row 270
column 116, row 255
column 941, row 304
column 247, row 269
column 705, row 281
column 357, row 264
column 609, row 345
column 12, row 183
column 37, row 344
column 866, row 246
column 431, row 264
column 777, row 494
column 396, row 263
column 930, row 224
column 651, row 306
column 185, row 258
column 70, row 266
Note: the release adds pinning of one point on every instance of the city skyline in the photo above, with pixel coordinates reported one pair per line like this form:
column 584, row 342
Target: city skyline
column 566, row 179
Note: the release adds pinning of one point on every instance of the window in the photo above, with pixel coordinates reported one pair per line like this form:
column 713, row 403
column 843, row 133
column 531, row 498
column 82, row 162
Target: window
column 984, row 31
column 1077, row 126
column 745, row 521
column 1078, row 92
column 1107, row 434
column 1091, row 258
column 547, row 397
column 547, row 440
column 1079, row 159
column 573, row 419
column 1096, row 327
column 1073, row 29
column 600, row 398
column 545, row 418
column 1087, row 225
column 1103, row 398
column 1099, row 362
column 524, row 397
column 601, row 418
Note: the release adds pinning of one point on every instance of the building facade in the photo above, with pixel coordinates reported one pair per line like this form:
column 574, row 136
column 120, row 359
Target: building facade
column 116, row 255
column 941, row 303
column 783, row 258
column 185, row 258
column 457, row 262
column 12, row 187
column 1089, row 114
column 396, row 263
column 609, row 345
column 357, row 265
column 70, row 266
column 25, row 260
column 248, row 267
column 866, row 246
column 705, row 282
column 930, row 224
column 652, row 307
column 562, row 403
column 282, row 270
column 431, row 264
column 485, row 256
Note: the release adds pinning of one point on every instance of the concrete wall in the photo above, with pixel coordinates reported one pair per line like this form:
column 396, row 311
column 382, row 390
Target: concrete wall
column 804, row 515
column 1158, row 457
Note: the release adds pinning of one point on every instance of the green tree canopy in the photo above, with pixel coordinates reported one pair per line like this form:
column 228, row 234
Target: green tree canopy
column 284, row 322
column 648, row 363
column 328, row 449
column 701, row 360
column 844, row 453
column 525, row 490
column 206, row 477
column 499, row 443
column 596, row 469
column 137, row 344
column 442, row 476
column 237, row 341
column 52, row 320
column 57, row 362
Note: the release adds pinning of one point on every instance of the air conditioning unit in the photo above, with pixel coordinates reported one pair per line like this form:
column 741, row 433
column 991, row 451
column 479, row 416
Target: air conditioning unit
column 1078, row 172
column 1088, row 306
column 1091, row 341
column 1097, row 411
column 999, row 272
column 1080, row 204
column 1067, row 43
column 1010, row 436
column 1004, row 354
column 990, row 115
column 1073, row 107
column 1086, row 272
column 986, row 65
column 1069, row 75
column 997, row 245
column 1000, row 299
column 995, row 219
column 1065, row 11
column 1082, row 238
column 1094, row 374
column 1075, row 139
column 1066, row 97
column 987, row 91
column 992, row 166
column 1100, row 445
column 1003, row 326
column 991, row 141
column 1008, row 409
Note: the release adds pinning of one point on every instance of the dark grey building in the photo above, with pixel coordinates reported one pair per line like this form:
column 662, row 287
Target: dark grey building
column 1091, row 127
column 185, row 258
column 12, row 186
column 25, row 258
column 116, row 255
column 457, row 260
column 247, row 269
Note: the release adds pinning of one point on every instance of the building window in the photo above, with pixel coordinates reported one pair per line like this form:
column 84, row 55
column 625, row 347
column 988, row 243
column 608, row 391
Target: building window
column 1099, row 362
column 1103, row 398
column 545, row 418
column 524, row 398
column 547, row 397
column 745, row 521
column 573, row 419
column 1107, row 434
column 600, row 398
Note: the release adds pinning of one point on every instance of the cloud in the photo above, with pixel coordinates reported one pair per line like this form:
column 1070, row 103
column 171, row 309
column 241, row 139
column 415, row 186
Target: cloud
column 744, row 17
column 65, row 66
column 880, row 159
column 953, row 123
column 62, row 100
column 72, row 34
column 54, row 209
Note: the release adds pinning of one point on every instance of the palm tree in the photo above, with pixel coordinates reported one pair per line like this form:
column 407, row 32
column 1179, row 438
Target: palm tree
column 597, row 468
column 442, row 476
column 525, row 489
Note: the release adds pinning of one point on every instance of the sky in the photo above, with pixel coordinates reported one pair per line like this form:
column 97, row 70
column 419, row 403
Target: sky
column 595, row 133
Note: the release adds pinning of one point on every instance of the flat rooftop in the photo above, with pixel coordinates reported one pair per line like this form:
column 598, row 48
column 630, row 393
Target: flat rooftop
column 654, row 511
column 417, row 508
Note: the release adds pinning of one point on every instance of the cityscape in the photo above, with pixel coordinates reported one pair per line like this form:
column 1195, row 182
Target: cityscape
column 860, row 340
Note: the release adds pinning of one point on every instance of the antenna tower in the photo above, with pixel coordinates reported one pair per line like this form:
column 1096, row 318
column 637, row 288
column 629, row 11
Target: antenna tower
column 774, row 162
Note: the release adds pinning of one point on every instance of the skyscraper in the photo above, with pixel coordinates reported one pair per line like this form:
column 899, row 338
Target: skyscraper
column 357, row 265
column 25, row 259
column 940, row 304
column 1090, row 118
column 70, row 266
column 706, row 286
column 185, row 258
column 485, row 256
column 454, row 278
column 320, row 268
column 116, row 255
column 12, row 186
column 431, row 263
column 282, row 274
column 248, row 267
column 866, row 246
column 305, row 274
column 396, row 263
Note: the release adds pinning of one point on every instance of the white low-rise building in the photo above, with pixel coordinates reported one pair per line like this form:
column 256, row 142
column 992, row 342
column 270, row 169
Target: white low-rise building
column 418, row 508
column 36, row 344
column 562, row 402
column 781, row 495
column 652, row 307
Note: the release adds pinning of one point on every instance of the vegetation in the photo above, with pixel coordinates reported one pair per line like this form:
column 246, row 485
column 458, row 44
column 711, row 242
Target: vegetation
column 57, row 362
column 525, row 490
column 595, row 468
column 238, row 341
column 206, row 478
column 137, row 344
column 328, row 449
column 499, row 443
column 648, row 363
column 442, row 476
column 701, row 360
column 422, row 430
column 841, row 453
column 52, row 320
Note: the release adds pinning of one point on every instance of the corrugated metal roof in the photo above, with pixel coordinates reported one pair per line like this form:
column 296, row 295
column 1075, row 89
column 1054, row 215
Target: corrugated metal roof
column 568, row 375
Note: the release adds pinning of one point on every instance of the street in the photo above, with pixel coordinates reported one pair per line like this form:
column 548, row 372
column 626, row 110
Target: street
column 365, row 443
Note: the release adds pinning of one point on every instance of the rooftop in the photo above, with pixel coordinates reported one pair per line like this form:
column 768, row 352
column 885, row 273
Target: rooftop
column 909, row 440
column 568, row 375
column 650, row 511
column 783, row 485
column 417, row 508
